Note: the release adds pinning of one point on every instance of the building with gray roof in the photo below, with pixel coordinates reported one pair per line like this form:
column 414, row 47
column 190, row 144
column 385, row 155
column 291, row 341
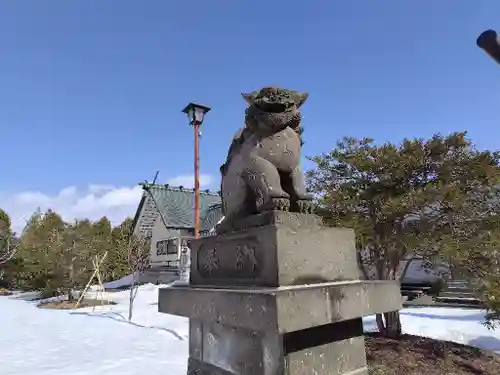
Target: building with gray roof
column 166, row 215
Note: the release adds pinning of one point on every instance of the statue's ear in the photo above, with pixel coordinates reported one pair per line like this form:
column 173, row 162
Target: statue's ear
column 301, row 98
column 250, row 97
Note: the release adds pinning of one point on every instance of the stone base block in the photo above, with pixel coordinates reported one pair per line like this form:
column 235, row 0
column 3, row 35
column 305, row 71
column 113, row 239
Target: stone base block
column 274, row 249
column 285, row 309
column 299, row 330
column 333, row 349
column 341, row 358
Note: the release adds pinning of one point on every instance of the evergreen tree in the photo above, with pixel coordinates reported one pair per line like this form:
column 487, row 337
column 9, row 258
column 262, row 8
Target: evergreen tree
column 400, row 199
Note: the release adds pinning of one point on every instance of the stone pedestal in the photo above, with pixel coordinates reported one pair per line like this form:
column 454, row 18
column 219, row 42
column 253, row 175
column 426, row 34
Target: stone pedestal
column 277, row 294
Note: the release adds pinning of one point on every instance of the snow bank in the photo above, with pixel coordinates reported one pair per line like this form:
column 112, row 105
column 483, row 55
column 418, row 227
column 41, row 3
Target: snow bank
column 124, row 282
column 47, row 342
column 84, row 342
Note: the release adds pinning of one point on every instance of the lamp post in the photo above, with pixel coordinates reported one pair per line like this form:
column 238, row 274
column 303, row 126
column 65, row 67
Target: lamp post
column 489, row 42
column 196, row 114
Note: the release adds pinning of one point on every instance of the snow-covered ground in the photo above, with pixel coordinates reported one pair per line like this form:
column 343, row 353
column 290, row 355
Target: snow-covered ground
column 37, row 341
column 120, row 283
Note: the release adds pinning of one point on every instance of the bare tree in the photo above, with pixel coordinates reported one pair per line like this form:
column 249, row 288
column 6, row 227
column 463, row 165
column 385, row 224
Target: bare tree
column 7, row 248
column 138, row 262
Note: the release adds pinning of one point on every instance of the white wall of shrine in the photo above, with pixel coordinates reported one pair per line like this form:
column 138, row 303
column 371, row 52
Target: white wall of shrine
column 166, row 244
column 162, row 242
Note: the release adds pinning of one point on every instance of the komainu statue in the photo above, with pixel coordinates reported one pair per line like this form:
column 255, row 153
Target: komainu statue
column 262, row 171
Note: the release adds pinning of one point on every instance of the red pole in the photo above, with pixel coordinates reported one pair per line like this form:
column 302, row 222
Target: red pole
column 196, row 180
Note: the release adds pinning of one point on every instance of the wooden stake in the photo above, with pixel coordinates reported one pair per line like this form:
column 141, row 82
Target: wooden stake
column 96, row 270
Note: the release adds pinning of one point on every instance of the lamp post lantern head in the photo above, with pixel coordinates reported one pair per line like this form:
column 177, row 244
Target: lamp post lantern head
column 489, row 42
column 195, row 113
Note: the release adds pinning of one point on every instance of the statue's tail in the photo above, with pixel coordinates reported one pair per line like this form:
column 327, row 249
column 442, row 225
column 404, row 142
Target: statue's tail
column 223, row 169
column 221, row 193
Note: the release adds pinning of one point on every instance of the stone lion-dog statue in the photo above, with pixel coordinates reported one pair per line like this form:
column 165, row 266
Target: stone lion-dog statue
column 262, row 171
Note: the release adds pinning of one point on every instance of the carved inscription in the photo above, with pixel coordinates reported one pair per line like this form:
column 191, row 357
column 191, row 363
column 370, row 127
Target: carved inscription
column 245, row 257
column 229, row 259
column 212, row 261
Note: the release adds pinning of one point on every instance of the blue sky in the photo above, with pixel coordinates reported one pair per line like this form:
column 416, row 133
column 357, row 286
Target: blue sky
column 91, row 91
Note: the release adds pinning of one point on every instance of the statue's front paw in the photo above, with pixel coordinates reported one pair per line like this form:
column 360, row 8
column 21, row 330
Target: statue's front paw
column 306, row 206
column 280, row 204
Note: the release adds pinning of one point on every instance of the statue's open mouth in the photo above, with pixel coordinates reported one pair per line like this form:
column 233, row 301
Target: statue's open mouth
column 273, row 107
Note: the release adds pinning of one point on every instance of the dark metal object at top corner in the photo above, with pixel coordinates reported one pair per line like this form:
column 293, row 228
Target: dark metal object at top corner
column 488, row 41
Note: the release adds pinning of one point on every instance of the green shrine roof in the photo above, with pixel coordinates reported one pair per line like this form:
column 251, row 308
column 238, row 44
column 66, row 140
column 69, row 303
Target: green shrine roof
column 176, row 205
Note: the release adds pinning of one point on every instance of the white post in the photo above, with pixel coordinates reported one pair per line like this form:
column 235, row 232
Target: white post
column 184, row 265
